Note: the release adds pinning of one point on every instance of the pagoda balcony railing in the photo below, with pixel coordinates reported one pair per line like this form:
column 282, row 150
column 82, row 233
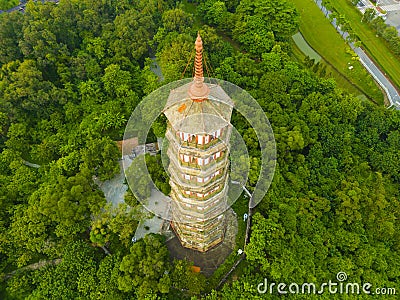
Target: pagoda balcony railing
column 193, row 168
column 193, row 144
column 195, row 184
column 214, row 200
column 206, row 200
column 173, row 151
column 204, row 233
column 178, row 194
column 197, row 226
column 202, row 239
column 194, row 165
column 208, row 213
column 194, row 196
column 211, row 143
column 183, row 148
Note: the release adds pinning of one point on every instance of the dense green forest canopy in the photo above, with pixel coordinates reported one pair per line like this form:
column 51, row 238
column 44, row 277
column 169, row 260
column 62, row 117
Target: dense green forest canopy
column 70, row 76
column 7, row 4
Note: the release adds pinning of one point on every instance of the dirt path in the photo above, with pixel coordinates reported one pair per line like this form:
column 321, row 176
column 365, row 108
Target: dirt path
column 35, row 266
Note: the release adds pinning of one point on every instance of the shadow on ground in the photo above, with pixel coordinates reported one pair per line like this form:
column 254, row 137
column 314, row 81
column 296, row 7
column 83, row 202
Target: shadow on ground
column 213, row 258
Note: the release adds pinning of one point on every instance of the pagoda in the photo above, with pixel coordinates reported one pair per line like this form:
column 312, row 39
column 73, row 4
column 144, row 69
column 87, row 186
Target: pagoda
column 198, row 136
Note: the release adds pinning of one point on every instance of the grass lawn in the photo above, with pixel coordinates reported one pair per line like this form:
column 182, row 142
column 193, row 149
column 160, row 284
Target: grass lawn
column 375, row 46
column 340, row 79
column 327, row 42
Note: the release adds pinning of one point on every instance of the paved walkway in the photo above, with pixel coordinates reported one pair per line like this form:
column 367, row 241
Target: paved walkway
column 114, row 189
column 32, row 165
column 156, row 69
column 370, row 66
column 157, row 208
column 157, row 203
column 393, row 19
column 386, row 85
column 35, row 266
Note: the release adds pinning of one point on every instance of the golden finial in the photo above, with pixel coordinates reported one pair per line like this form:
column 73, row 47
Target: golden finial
column 198, row 91
column 198, row 64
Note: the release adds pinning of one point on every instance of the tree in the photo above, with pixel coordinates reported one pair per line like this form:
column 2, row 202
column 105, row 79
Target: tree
column 101, row 157
column 130, row 199
column 144, row 270
column 345, row 26
column 135, row 174
column 117, row 82
column 254, row 35
column 28, row 95
column 156, row 169
column 259, row 23
column 107, row 278
column 160, row 126
column 279, row 17
column 332, row 17
column 340, row 20
column 10, row 33
column 6, row 4
column 152, row 81
column 70, row 76
column 379, row 25
column 390, row 33
column 115, row 225
column 264, row 234
column 184, row 278
column 18, row 137
column 328, row 6
column 215, row 49
column 173, row 55
column 215, row 13
column 177, row 20
column 369, row 15
column 133, row 31
column 73, row 278
column 68, row 203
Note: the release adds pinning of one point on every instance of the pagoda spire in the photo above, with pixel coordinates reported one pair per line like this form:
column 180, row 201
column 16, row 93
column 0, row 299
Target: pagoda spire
column 198, row 91
column 198, row 64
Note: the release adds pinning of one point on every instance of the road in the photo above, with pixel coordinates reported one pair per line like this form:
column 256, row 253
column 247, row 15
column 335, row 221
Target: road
column 370, row 66
column 379, row 77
